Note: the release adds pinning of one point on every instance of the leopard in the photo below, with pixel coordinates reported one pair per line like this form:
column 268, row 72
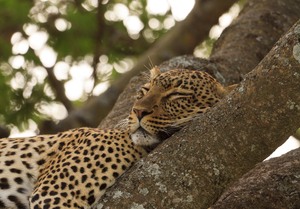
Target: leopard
column 73, row 169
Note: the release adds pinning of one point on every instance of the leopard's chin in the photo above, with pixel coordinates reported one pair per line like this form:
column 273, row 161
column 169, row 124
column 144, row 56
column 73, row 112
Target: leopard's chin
column 143, row 138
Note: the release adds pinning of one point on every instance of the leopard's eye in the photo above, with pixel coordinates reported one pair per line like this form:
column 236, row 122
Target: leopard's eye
column 177, row 95
column 142, row 92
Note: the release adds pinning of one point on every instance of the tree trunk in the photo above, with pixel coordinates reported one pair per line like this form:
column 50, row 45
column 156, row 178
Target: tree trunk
column 188, row 171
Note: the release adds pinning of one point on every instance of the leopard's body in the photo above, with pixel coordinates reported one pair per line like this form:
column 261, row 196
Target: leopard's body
column 73, row 169
column 68, row 170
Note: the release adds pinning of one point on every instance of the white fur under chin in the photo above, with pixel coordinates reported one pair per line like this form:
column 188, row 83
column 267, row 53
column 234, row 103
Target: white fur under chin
column 141, row 138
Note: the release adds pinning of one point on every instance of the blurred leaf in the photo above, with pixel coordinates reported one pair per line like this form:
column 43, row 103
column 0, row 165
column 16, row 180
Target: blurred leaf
column 79, row 40
column 14, row 14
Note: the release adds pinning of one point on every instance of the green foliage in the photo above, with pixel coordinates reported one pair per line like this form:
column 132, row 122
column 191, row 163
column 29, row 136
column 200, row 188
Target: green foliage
column 15, row 11
column 14, row 14
column 5, row 96
column 78, row 40
column 16, row 107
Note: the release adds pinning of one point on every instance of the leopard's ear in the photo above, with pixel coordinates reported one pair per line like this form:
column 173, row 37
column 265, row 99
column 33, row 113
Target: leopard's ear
column 231, row 87
column 154, row 72
column 223, row 91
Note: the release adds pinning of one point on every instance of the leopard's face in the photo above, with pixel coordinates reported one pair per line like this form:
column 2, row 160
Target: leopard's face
column 169, row 101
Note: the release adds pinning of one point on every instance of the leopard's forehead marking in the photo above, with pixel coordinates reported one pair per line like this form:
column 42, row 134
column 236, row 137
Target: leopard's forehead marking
column 182, row 78
column 171, row 78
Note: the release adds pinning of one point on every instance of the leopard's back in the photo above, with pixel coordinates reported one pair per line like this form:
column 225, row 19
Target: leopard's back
column 20, row 159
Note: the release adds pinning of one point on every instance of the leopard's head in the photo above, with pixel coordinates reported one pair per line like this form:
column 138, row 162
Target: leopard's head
column 169, row 101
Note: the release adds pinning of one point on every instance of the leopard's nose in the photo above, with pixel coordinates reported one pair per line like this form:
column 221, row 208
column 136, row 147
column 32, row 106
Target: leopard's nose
column 140, row 113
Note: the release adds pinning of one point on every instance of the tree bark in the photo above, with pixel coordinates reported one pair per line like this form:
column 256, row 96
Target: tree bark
column 205, row 14
column 273, row 184
column 250, row 37
column 188, row 171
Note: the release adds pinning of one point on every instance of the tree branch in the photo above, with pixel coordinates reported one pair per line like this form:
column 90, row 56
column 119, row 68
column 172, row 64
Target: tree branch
column 58, row 89
column 250, row 37
column 272, row 184
column 98, row 38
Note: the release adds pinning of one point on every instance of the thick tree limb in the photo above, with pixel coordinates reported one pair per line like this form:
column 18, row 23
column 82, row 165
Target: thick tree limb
column 250, row 37
column 273, row 184
column 191, row 169
column 204, row 16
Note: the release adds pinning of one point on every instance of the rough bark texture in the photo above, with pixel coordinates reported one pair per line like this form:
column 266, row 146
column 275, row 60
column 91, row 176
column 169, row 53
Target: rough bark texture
column 192, row 168
column 273, row 184
column 205, row 14
column 250, row 37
